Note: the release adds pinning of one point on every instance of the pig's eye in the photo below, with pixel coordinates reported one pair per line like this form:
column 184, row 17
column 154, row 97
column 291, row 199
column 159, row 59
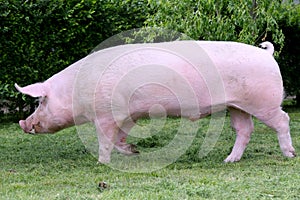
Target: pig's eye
column 42, row 100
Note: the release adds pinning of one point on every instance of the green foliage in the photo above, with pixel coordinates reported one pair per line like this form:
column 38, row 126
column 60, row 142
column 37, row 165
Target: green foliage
column 221, row 20
column 289, row 60
column 40, row 38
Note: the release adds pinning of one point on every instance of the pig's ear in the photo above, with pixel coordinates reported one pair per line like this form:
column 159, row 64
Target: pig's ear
column 34, row 90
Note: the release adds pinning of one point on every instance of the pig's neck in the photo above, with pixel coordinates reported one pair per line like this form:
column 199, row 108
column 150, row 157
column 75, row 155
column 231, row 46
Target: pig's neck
column 62, row 86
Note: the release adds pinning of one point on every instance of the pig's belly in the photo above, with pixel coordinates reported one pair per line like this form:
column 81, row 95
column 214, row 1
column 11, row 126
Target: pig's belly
column 158, row 110
column 170, row 105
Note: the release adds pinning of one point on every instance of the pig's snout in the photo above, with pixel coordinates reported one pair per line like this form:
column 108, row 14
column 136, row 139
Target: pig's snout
column 25, row 128
column 22, row 124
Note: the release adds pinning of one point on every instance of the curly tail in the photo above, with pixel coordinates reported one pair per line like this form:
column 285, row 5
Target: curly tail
column 268, row 46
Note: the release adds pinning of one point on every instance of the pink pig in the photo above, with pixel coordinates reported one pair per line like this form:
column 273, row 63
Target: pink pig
column 116, row 86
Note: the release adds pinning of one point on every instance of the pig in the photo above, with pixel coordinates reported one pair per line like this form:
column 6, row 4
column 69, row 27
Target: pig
column 114, row 87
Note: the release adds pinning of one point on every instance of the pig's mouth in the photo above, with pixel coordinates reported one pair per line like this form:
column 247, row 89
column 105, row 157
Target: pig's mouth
column 36, row 128
column 33, row 129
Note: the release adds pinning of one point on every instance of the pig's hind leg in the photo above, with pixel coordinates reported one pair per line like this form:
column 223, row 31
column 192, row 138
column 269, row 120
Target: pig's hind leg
column 243, row 125
column 121, row 145
column 278, row 120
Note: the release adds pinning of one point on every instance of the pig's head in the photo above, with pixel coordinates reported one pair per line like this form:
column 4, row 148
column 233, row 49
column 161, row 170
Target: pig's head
column 50, row 116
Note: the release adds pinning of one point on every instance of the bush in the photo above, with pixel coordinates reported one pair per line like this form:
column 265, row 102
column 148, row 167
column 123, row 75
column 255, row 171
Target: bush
column 41, row 37
column 289, row 60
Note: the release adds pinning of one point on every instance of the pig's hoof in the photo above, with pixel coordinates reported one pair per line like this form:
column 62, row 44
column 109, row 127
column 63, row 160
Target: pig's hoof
column 104, row 160
column 231, row 159
column 127, row 149
column 290, row 154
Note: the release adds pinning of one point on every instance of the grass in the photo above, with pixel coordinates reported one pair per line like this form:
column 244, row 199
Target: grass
column 59, row 167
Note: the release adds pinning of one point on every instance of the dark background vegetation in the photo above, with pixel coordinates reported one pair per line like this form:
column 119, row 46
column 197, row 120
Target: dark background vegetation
column 40, row 38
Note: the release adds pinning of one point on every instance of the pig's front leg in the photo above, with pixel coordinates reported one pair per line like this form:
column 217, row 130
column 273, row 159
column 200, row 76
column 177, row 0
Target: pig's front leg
column 106, row 130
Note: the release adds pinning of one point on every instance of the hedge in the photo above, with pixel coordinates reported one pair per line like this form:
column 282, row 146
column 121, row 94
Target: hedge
column 41, row 37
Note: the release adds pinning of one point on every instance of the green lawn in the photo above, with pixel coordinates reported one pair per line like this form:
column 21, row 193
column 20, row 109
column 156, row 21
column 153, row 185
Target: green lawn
column 59, row 167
